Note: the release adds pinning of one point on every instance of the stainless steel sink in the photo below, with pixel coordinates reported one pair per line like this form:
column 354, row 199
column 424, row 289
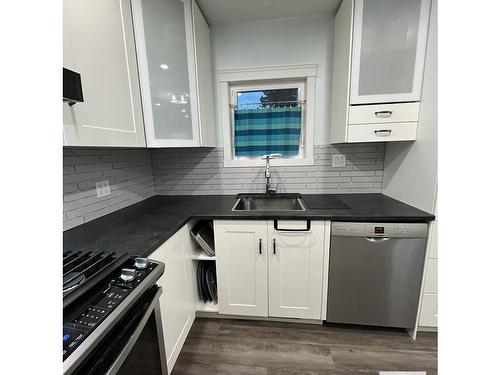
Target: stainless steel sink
column 274, row 202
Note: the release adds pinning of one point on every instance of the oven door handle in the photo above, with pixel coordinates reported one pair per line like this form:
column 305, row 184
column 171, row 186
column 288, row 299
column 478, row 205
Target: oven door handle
column 118, row 362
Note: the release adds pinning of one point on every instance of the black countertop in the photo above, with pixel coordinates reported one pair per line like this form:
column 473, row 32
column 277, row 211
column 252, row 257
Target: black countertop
column 141, row 228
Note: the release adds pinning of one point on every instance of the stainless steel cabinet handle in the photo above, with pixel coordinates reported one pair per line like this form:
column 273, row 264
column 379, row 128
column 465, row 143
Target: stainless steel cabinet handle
column 306, row 229
column 383, row 114
column 260, row 245
column 274, row 245
column 383, row 132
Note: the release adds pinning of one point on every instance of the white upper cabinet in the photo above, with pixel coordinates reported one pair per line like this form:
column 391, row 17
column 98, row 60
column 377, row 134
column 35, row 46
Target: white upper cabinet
column 388, row 50
column 379, row 52
column 173, row 48
column 98, row 43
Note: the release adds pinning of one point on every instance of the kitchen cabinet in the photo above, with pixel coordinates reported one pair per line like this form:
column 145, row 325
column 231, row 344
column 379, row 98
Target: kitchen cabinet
column 173, row 49
column 177, row 302
column 98, row 43
column 241, row 250
column 296, row 269
column 378, row 66
column 264, row 271
column 388, row 50
column 428, row 308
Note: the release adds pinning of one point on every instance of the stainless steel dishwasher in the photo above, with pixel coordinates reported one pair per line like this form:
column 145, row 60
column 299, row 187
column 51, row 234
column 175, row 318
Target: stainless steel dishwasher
column 375, row 273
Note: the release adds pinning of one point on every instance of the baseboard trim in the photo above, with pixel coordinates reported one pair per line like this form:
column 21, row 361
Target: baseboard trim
column 427, row 329
column 214, row 315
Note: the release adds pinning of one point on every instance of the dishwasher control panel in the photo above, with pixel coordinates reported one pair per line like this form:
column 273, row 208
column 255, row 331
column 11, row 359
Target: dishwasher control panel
column 402, row 230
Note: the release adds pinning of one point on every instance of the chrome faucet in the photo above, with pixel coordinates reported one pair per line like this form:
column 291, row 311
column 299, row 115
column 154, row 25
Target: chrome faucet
column 267, row 173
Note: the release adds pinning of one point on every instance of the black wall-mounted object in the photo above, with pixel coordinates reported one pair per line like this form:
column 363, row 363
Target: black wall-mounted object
column 72, row 87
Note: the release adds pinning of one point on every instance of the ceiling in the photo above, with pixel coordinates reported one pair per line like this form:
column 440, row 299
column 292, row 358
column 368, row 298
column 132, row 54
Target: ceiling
column 226, row 11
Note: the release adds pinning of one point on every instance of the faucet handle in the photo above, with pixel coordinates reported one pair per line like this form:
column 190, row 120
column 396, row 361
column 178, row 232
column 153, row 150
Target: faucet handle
column 277, row 186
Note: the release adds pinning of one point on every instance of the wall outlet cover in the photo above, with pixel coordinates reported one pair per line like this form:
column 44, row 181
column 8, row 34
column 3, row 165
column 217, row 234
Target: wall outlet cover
column 102, row 188
column 338, row 160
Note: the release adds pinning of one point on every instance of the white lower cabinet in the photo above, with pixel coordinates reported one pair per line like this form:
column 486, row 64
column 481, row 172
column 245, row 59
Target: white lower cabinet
column 262, row 271
column 177, row 301
column 296, row 270
column 241, row 250
column 428, row 311
column 428, row 307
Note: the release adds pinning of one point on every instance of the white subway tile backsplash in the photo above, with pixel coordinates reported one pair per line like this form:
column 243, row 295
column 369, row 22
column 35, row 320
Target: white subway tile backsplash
column 137, row 174
column 129, row 173
column 201, row 171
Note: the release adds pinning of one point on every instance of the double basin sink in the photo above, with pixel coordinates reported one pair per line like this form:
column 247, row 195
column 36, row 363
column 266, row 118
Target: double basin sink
column 269, row 202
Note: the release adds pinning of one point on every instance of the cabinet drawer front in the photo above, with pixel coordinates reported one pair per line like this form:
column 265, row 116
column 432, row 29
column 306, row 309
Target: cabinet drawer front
column 398, row 131
column 428, row 311
column 383, row 113
column 431, row 276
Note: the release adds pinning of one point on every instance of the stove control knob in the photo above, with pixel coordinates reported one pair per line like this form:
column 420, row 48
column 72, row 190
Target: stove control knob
column 141, row 263
column 128, row 275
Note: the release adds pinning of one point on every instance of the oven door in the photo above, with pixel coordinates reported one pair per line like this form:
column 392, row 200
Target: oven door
column 135, row 345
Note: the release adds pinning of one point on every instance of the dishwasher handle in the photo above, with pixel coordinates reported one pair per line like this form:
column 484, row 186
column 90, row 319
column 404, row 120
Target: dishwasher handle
column 377, row 239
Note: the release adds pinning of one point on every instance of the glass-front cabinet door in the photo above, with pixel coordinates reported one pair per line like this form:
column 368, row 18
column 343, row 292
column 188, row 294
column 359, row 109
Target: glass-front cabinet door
column 164, row 58
column 388, row 51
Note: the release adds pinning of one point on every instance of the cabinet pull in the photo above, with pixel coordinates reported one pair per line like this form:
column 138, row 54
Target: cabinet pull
column 260, row 245
column 383, row 114
column 274, row 245
column 306, row 229
column 383, row 132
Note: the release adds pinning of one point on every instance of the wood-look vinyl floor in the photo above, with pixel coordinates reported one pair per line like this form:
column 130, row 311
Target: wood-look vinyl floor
column 243, row 347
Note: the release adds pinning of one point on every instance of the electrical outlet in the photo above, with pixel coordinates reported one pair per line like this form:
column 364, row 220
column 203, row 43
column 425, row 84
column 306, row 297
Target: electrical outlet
column 102, row 188
column 338, row 160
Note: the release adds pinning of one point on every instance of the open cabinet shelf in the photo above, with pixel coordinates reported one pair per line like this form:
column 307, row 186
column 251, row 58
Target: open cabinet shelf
column 202, row 256
column 198, row 255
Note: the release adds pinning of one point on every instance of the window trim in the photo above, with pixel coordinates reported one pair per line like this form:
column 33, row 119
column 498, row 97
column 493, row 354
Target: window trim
column 279, row 75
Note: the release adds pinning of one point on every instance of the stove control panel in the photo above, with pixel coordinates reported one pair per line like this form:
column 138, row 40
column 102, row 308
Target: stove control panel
column 87, row 316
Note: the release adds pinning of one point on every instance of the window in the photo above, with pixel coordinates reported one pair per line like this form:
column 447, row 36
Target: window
column 267, row 119
column 267, row 116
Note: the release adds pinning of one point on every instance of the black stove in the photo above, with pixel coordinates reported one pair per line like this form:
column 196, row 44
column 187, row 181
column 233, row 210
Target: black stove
column 99, row 289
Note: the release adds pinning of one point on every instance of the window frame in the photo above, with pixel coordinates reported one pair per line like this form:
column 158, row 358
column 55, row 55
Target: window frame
column 251, row 79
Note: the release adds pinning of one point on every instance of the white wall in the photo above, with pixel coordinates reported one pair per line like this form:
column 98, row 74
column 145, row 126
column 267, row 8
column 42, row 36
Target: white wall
column 278, row 42
column 410, row 169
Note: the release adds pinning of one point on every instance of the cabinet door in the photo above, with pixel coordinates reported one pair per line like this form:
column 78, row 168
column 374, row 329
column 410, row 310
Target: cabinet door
column 389, row 42
column 296, row 269
column 177, row 300
column 98, row 43
column 204, row 82
column 166, row 72
column 241, row 251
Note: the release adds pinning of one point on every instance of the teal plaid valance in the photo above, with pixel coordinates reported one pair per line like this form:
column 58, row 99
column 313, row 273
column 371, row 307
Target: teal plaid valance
column 267, row 130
